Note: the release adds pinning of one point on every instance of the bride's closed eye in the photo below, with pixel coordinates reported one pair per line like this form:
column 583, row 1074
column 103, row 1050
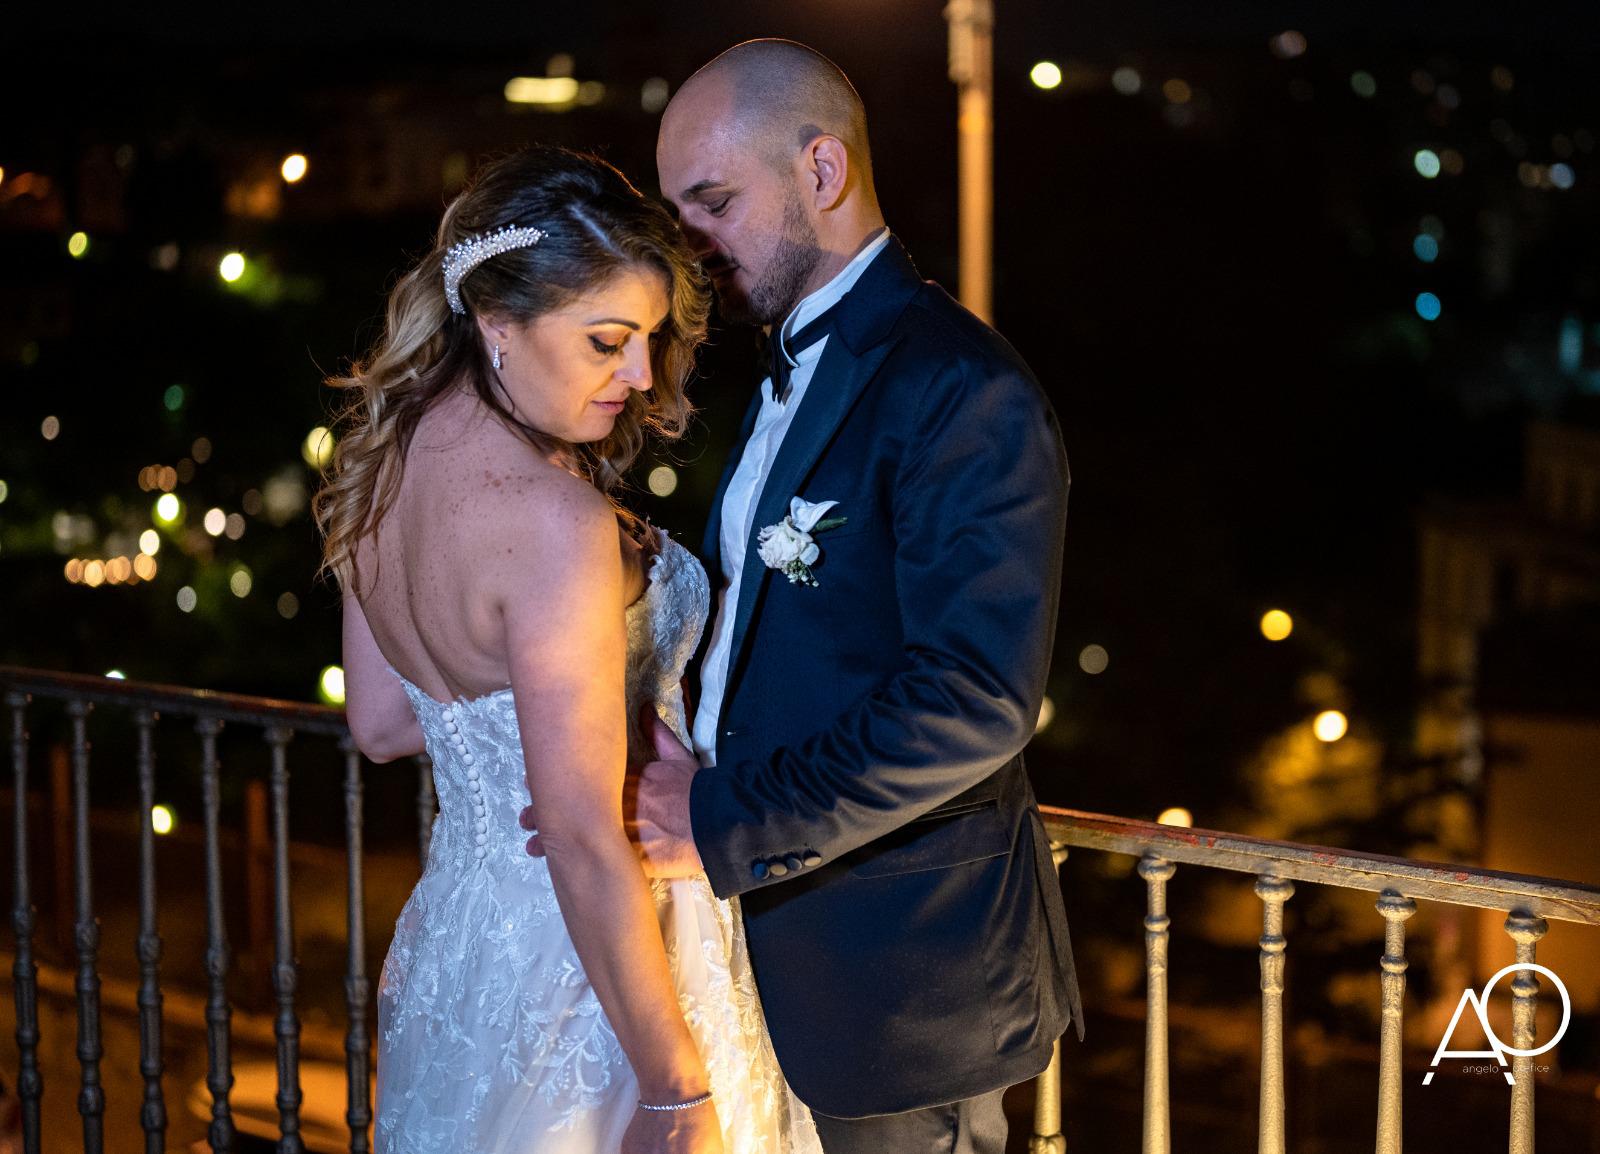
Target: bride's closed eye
column 604, row 349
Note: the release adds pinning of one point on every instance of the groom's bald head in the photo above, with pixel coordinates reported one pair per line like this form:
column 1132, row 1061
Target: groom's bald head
column 776, row 96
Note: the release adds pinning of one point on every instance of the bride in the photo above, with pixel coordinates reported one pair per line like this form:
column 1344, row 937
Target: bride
column 503, row 611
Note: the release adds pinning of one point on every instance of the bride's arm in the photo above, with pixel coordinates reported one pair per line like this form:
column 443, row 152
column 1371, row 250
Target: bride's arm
column 563, row 602
column 375, row 707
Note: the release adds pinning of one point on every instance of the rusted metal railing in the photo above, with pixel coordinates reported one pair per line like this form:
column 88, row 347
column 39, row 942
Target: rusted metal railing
column 1398, row 883
column 1276, row 866
column 147, row 707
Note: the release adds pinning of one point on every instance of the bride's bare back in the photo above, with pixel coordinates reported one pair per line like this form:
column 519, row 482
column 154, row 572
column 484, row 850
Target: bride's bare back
column 434, row 576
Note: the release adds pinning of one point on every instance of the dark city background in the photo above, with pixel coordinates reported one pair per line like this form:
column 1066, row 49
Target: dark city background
column 1315, row 290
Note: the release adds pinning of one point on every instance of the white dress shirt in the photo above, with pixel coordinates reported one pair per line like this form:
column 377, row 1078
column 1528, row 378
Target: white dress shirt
column 744, row 489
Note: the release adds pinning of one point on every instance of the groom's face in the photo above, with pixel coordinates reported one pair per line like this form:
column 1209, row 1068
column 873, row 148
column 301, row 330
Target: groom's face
column 741, row 209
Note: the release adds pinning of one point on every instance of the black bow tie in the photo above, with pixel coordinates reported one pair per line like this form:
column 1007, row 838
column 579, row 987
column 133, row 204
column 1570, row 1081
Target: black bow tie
column 798, row 342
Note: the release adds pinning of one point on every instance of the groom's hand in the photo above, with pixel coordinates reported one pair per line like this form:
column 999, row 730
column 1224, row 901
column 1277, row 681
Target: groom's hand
column 655, row 802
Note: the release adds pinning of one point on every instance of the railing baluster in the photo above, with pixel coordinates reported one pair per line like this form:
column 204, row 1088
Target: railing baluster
column 1525, row 930
column 1047, row 1137
column 24, row 973
column 1395, row 909
column 359, row 1111
column 153, row 1113
column 1157, row 934
column 427, row 806
column 86, row 934
column 219, row 1063
column 285, row 977
column 1273, row 892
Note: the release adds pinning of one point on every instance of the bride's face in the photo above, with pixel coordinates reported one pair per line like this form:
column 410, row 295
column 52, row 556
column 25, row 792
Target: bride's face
column 570, row 372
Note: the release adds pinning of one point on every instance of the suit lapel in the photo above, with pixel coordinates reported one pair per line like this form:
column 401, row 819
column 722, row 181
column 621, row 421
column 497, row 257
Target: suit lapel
column 835, row 386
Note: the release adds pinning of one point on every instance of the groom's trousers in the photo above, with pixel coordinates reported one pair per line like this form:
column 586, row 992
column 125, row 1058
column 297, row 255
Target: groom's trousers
column 972, row 1126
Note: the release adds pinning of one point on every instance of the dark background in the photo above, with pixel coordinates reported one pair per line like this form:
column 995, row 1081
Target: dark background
column 1219, row 296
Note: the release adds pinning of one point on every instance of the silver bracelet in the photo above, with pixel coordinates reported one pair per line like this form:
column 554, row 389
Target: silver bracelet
column 689, row 1105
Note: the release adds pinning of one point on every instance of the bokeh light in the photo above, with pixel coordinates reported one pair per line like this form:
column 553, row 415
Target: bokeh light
column 294, row 168
column 1428, row 306
column 168, row 509
column 1047, row 714
column 663, row 480
column 1426, row 162
column 1093, row 659
column 1127, row 81
column 288, row 606
column 116, row 675
column 50, row 428
column 1276, row 625
column 1363, row 85
column 1330, row 725
column 173, row 398
column 187, row 599
column 215, row 522
column 145, row 566
column 241, row 581
column 78, row 245
column 1426, row 248
column 1288, row 45
column 317, row 449
column 231, row 267
column 162, row 819
column 149, row 542
column 1045, row 74
column 330, row 686
column 1177, row 815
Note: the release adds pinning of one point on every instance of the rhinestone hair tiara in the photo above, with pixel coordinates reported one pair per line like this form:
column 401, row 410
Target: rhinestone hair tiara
column 462, row 258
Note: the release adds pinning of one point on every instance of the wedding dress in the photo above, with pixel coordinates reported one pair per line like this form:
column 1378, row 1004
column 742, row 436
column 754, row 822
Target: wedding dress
column 489, row 1035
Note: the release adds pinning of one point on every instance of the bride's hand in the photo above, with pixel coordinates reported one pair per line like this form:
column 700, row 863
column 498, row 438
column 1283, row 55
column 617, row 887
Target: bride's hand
column 692, row 1131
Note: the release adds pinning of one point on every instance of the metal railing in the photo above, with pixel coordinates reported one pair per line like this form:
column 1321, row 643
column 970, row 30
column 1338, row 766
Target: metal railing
column 1276, row 866
column 1398, row 882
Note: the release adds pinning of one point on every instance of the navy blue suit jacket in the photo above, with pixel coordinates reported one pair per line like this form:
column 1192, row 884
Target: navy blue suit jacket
column 869, row 802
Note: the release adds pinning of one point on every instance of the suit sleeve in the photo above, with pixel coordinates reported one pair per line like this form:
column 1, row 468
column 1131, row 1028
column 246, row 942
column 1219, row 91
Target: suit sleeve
column 979, row 519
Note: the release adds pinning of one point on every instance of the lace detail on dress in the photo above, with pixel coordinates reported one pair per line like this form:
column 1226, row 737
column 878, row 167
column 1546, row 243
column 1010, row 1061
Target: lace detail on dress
column 490, row 1037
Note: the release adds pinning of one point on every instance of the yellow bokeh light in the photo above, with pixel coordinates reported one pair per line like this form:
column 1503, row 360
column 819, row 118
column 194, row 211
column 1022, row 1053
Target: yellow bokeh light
column 216, row 521
column 1093, row 659
column 663, row 480
column 145, row 566
column 1177, row 815
column 330, row 686
column 116, row 675
column 1330, row 725
column 294, row 167
column 5, row 491
column 78, row 244
column 545, row 90
column 149, row 543
column 118, row 570
column 162, row 819
column 1177, row 91
column 1045, row 74
column 231, row 267
column 241, row 582
column 94, row 574
column 317, row 448
column 1276, row 625
column 1047, row 714
column 74, row 570
column 168, row 509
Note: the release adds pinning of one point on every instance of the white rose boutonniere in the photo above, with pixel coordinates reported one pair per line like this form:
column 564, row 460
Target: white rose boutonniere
column 789, row 546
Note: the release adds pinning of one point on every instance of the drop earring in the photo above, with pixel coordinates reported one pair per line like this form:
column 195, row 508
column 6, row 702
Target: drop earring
column 495, row 360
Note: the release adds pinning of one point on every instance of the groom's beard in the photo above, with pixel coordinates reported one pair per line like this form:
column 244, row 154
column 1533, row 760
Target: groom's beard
column 782, row 284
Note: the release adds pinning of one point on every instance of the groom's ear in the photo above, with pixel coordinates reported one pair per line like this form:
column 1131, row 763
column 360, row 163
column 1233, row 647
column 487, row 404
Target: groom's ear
column 828, row 163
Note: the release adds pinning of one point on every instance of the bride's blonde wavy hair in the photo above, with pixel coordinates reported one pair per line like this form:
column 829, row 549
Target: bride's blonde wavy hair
column 596, row 225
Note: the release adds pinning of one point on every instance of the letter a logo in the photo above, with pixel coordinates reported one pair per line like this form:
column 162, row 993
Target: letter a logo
column 1479, row 1004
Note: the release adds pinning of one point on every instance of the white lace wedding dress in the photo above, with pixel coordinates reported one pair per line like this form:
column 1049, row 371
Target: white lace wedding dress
column 489, row 1035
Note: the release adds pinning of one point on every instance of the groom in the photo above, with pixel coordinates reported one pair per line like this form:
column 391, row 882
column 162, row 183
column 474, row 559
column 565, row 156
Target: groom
column 869, row 684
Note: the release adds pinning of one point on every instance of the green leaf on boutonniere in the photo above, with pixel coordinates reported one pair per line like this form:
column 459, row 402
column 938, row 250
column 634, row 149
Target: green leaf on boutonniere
column 828, row 523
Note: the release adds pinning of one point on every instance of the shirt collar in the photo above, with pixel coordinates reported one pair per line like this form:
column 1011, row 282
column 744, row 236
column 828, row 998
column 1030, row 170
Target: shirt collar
column 830, row 294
